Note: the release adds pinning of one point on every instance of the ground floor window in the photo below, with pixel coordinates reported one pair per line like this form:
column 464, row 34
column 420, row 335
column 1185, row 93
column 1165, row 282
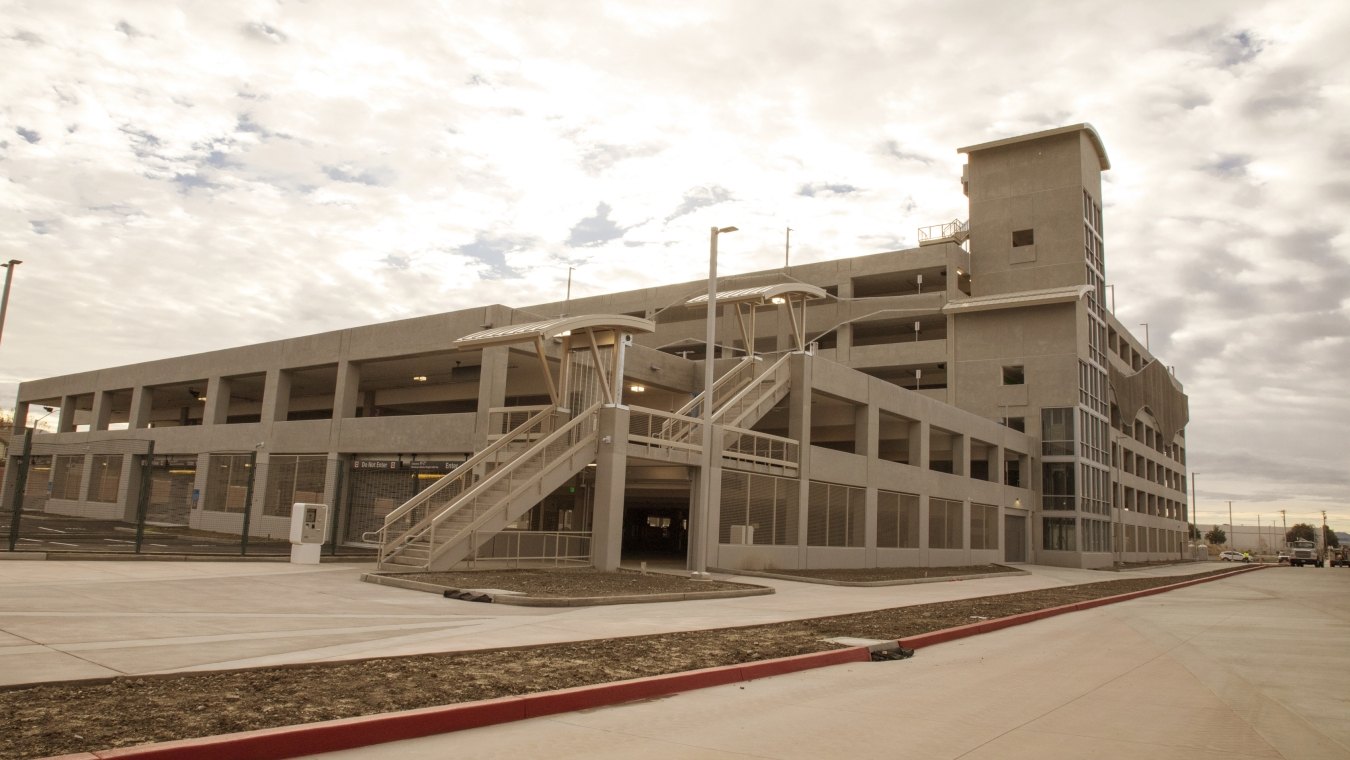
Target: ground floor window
column 944, row 524
column 67, row 473
column 758, row 509
column 292, row 478
column 227, row 482
column 1059, row 534
column 983, row 526
column 897, row 520
column 835, row 515
column 105, row 477
column 1096, row 536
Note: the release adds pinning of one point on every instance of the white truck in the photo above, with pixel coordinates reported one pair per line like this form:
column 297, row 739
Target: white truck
column 1304, row 552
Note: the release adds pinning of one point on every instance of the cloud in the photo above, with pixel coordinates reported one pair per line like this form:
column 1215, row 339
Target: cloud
column 265, row 32
column 596, row 229
column 825, row 188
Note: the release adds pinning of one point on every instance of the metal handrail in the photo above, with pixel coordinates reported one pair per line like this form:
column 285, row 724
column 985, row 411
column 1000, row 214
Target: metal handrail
column 770, row 374
column 766, row 448
column 673, row 431
column 560, row 538
column 504, row 414
column 746, row 363
column 943, row 231
column 504, row 473
column 460, row 473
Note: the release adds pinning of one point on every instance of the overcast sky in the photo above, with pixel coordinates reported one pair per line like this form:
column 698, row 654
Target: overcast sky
column 183, row 177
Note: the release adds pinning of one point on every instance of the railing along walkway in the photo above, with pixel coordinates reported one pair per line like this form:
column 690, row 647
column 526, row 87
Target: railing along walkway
column 500, row 484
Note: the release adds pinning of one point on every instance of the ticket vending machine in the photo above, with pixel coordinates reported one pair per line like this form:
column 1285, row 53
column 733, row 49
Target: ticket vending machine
column 309, row 528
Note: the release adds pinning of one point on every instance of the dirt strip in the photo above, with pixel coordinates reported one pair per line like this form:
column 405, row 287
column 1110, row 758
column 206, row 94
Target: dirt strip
column 53, row 719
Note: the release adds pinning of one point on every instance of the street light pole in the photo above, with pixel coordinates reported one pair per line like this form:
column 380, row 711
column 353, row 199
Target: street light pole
column 1231, row 527
column 701, row 532
column 4, row 299
column 1194, row 528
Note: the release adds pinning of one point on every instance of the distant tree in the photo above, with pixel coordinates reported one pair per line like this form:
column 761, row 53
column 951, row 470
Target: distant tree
column 1329, row 536
column 1195, row 532
column 1300, row 530
column 1217, row 536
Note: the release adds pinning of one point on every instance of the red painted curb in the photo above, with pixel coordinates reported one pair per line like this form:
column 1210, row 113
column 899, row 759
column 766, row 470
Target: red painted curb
column 985, row 626
column 347, row 733
column 329, row 736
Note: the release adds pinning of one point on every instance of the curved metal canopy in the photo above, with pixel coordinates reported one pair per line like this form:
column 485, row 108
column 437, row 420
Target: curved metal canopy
column 763, row 294
column 551, row 328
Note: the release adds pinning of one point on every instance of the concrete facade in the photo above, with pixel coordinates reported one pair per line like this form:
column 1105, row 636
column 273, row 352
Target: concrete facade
column 956, row 404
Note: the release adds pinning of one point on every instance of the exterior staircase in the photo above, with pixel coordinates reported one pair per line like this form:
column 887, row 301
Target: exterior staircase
column 435, row 529
column 742, row 397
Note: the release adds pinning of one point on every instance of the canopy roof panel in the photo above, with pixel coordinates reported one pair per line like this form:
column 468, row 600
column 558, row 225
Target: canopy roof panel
column 762, row 294
column 550, row 328
column 1011, row 300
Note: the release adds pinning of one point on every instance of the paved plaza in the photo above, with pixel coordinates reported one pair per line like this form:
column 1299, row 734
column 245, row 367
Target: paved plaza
column 1253, row 666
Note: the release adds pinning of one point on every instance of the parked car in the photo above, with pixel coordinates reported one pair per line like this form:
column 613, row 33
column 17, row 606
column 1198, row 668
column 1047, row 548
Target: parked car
column 1283, row 558
column 1233, row 556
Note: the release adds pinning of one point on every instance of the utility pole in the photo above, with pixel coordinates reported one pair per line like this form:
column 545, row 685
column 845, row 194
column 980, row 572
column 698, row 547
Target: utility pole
column 1231, row 528
column 4, row 299
column 1323, row 552
column 1284, row 523
column 787, row 248
column 1194, row 527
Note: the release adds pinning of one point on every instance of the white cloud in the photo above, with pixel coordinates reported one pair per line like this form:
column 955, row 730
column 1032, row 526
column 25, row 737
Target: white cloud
column 185, row 180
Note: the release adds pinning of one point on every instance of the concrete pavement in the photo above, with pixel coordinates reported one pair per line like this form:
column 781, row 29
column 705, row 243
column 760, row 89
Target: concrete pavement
column 72, row 620
column 1253, row 666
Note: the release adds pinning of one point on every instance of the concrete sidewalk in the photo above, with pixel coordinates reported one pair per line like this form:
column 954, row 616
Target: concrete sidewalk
column 1251, row 666
column 73, row 620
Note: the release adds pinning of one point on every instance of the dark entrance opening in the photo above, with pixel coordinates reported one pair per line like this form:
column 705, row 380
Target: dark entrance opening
column 656, row 529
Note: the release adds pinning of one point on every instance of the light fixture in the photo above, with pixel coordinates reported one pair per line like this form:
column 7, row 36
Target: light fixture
column 419, row 378
column 563, row 334
column 960, row 272
column 636, row 388
column 778, row 300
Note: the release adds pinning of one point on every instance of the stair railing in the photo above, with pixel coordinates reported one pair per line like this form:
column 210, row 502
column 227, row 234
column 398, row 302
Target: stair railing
column 543, row 453
column 458, row 480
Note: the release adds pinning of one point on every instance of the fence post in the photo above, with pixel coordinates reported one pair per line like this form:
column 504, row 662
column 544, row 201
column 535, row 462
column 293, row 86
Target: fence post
column 248, row 501
column 20, row 484
column 143, row 494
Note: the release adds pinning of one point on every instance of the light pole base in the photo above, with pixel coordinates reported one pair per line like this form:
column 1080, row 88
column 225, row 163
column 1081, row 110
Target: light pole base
column 697, row 576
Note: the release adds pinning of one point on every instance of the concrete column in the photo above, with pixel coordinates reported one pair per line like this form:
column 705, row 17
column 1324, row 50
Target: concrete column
column 347, row 394
column 491, row 389
column 332, row 491
column 924, row 515
column 199, row 480
column 870, row 527
column 86, row 475
column 996, row 465
column 142, row 398
column 866, row 422
column 66, row 421
column 129, row 491
column 611, row 470
column 276, row 396
column 21, row 414
column 261, row 474
column 960, row 454
column 965, row 528
column 102, row 410
column 799, row 429
column 217, row 407
column 919, row 444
